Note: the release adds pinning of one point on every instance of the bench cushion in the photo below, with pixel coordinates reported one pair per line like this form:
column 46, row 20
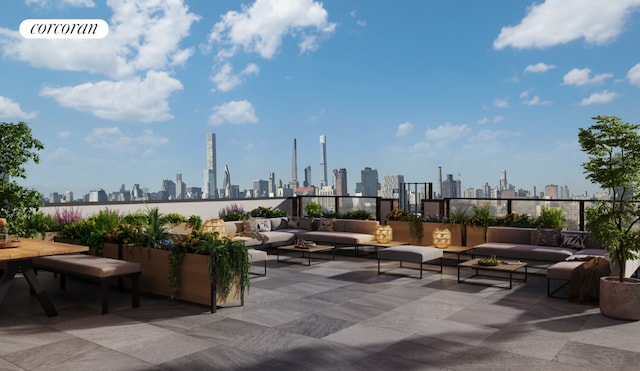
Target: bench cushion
column 410, row 253
column 88, row 265
column 257, row 255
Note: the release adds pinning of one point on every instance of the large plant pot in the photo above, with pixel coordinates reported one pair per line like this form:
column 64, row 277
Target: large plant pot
column 195, row 283
column 620, row 300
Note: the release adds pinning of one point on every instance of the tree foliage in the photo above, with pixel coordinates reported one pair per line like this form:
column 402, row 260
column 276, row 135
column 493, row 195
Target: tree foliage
column 613, row 149
column 17, row 148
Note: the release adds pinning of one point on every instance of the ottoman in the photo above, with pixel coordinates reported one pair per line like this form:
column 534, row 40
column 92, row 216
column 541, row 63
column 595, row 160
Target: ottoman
column 412, row 254
column 258, row 256
column 561, row 271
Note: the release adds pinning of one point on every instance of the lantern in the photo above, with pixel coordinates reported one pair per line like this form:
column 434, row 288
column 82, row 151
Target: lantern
column 214, row 225
column 384, row 234
column 441, row 238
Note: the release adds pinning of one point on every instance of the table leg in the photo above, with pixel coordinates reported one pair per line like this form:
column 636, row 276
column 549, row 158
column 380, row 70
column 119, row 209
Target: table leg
column 27, row 271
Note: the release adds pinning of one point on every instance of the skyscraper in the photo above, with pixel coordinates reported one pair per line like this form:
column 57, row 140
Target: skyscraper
column 294, row 167
column 369, row 185
column 180, row 186
column 323, row 160
column 340, row 182
column 504, row 185
column 210, row 176
column 226, row 182
column 307, row 177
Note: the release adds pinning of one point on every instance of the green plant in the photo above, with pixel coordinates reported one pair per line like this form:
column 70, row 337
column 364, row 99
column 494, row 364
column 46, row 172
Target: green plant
column 357, row 214
column 397, row 214
column 156, row 230
column 234, row 216
column 551, row 217
column 313, row 209
column 38, row 222
column 79, row 230
column 173, row 218
column 518, row 220
column 613, row 150
column 195, row 222
column 459, row 216
column 17, row 148
column 415, row 226
column 482, row 217
column 228, row 261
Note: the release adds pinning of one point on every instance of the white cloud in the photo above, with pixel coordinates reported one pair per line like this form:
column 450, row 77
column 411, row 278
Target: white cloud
column 143, row 35
column 64, row 134
column 115, row 140
column 10, row 109
column 133, row 100
column 404, row 129
column 234, row 112
column 501, row 103
column 225, row 80
column 535, row 101
column 447, row 132
column 486, row 120
column 539, row 68
column 581, row 77
column 555, row 22
column 261, row 27
column 634, row 75
column 79, row 3
column 599, row 98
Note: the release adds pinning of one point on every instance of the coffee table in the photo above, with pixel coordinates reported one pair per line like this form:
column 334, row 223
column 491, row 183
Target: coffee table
column 308, row 251
column 458, row 250
column 502, row 267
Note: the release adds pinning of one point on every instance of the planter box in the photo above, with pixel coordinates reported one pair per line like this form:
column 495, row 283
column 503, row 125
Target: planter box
column 475, row 235
column 195, row 284
column 402, row 232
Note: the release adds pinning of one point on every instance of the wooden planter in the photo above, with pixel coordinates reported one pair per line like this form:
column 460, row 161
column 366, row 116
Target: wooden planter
column 402, row 232
column 475, row 235
column 195, row 282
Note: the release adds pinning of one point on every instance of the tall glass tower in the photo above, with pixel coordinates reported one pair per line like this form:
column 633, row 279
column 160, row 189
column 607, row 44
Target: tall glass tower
column 210, row 186
column 323, row 160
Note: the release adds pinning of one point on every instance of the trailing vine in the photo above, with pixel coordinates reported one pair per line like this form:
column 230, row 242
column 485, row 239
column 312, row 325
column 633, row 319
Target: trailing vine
column 228, row 261
column 175, row 269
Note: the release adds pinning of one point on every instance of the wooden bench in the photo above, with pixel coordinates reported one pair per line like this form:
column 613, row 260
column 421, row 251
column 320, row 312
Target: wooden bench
column 93, row 268
column 410, row 253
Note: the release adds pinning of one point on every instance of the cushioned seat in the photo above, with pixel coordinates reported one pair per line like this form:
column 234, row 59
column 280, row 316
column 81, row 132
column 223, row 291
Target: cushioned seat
column 256, row 256
column 410, row 253
column 93, row 267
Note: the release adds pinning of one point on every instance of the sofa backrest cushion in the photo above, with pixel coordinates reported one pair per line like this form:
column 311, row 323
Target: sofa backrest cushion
column 360, row 226
column 234, row 227
column 325, row 224
column 278, row 223
column 546, row 237
column 510, row 235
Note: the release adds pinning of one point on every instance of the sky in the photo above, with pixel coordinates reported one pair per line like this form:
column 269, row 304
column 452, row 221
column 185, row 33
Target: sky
column 402, row 87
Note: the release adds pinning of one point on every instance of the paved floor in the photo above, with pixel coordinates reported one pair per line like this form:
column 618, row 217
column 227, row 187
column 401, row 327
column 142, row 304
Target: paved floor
column 338, row 315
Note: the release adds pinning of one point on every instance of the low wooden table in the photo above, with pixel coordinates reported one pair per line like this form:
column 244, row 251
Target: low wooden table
column 502, row 267
column 458, row 250
column 20, row 259
column 308, row 251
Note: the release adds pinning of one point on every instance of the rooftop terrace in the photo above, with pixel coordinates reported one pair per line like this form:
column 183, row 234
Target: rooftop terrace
column 332, row 315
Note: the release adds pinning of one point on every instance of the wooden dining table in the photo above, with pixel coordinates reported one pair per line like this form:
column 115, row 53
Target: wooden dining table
column 14, row 260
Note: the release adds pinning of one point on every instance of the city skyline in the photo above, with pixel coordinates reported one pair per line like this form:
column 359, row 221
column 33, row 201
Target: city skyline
column 400, row 88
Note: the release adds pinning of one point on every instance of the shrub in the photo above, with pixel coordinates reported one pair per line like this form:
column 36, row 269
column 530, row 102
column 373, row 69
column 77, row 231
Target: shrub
column 357, row 214
column 551, row 217
column 313, row 209
column 67, row 215
column 231, row 209
column 173, row 218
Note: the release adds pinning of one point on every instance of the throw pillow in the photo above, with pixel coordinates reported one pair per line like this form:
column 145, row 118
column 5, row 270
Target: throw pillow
column 263, row 225
column 249, row 225
column 326, row 224
column 573, row 240
column 293, row 222
column 548, row 237
column 306, row 223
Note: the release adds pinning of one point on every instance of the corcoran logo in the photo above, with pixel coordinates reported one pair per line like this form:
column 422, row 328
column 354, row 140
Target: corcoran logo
column 64, row 29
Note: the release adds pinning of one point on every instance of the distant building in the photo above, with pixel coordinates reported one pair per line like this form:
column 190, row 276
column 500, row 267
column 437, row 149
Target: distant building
column 168, row 190
column 323, row 160
column 260, row 188
column 226, row 183
column 193, row 193
column 391, row 186
column 368, row 185
column 180, row 186
column 551, row 191
column 54, row 198
column 307, row 177
column 340, row 182
column 210, row 175
column 98, row 196
column 451, row 188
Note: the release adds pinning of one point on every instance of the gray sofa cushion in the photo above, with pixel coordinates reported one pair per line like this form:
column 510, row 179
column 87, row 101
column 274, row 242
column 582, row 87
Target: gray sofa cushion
column 523, row 251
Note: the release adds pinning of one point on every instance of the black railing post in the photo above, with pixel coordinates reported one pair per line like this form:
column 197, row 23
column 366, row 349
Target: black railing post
column 581, row 223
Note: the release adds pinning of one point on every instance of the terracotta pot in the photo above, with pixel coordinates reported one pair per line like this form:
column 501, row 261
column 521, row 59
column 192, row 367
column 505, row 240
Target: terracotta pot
column 620, row 300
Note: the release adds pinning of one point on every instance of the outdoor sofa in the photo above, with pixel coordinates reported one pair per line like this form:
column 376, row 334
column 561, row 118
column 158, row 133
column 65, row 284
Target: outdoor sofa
column 543, row 245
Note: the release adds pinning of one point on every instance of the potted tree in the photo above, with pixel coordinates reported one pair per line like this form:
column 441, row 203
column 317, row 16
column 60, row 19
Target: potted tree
column 613, row 148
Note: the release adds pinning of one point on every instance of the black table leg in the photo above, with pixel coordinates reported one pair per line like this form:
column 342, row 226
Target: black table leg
column 26, row 268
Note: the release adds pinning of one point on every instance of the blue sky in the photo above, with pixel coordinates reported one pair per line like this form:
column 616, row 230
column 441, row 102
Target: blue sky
column 401, row 87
